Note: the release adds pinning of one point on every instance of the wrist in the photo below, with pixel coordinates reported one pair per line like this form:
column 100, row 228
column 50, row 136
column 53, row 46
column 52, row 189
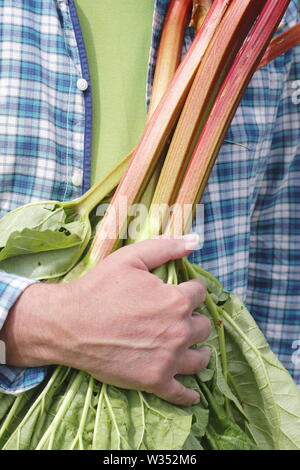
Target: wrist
column 29, row 332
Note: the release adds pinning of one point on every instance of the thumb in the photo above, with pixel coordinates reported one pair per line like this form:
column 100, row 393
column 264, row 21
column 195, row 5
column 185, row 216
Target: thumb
column 157, row 251
column 178, row 394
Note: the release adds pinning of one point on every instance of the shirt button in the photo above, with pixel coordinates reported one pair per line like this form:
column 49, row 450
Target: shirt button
column 82, row 84
column 77, row 178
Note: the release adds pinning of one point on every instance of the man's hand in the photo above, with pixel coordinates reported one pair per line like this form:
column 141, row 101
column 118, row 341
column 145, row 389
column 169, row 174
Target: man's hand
column 119, row 322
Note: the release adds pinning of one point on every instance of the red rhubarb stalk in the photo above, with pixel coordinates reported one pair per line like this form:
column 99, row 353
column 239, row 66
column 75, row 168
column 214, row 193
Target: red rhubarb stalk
column 154, row 138
column 200, row 10
column 221, row 115
column 281, row 44
column 216, row 63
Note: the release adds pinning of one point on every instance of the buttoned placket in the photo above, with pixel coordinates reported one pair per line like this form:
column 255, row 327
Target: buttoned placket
column 79, row 171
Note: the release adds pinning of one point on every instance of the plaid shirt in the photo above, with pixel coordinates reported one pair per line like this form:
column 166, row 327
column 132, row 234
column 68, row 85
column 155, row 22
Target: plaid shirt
column 252, row 222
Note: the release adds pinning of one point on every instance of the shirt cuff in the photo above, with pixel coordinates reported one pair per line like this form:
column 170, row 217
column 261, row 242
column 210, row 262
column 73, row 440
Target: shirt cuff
column 14, row 380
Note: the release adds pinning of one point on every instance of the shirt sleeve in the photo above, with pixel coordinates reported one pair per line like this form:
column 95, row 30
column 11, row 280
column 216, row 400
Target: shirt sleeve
column 14, row 380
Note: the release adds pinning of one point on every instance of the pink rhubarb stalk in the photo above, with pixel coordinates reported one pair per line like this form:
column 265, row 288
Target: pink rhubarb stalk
column 154, row 138
column 200, row 10
column 215, row 65
column 171, row 40
column 281, row 44
column 222, row 113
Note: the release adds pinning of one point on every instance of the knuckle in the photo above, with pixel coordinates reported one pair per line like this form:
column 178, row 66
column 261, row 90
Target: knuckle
column 155, row 380
column 160, row 370
column 166, row 363
column 202, row 363
column 182, row 333
column 167, row 392
column 179, row 395
column 202, row 289
column 180, row 302
column 121, row 253
column 126, row 257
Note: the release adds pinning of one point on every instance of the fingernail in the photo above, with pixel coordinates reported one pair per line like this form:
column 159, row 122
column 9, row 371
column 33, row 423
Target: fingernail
column 197, row 400
column 191, row 241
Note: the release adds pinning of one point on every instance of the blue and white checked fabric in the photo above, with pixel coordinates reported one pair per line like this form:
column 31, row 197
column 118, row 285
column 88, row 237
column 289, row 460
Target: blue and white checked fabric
column 251, row 219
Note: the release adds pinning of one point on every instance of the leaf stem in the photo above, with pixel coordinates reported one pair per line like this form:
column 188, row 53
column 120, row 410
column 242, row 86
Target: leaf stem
column 50, row 433
column 195, row 268
column 143, row 419
column 113, row 418
column 59, row 371
column 98, row 415
column 213, row 310
column 100, row 190
column 218, row 410
column 10, row 415
column 87, row 403
column 172, row 274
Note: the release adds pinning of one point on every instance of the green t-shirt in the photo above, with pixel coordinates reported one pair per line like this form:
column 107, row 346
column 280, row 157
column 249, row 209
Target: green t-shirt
column 117, row 36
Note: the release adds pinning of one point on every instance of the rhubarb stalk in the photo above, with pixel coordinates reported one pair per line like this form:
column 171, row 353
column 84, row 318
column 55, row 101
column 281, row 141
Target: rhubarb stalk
column 215, row 64
column 154, row 138
column 220, row 117
column 200, row 10
column 281, row 44
column 168, row 58
column 170, row 48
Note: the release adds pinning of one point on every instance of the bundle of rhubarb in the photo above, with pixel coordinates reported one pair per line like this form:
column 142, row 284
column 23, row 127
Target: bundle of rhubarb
column 248, row 399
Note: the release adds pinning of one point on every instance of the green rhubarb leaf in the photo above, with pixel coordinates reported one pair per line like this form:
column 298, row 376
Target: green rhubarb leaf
column 15, row 414
column 218, row 294
column 5, row 403
column 167, row 427
column 29, row 216
column 43, row 255
column 206, row 375
column 269, row 396
column 29, row 423
column 220, row 384
column 232, row 438
column 64, row 434
column 42, row 240
column 30, row 241
column 135, row 420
